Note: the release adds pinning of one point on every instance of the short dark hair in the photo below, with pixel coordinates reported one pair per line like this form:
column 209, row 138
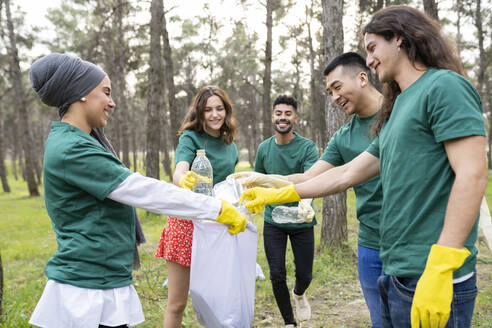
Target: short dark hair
column 286, row 100
column 348, row 59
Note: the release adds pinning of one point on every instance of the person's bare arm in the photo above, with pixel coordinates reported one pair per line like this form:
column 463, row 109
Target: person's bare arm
column 467, row 159
column 181, row 169
column 340, row 178
column 319, row 167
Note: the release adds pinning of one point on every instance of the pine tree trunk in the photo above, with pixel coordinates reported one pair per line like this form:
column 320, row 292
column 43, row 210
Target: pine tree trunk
column 21, row 107
column 3, row 169
column 166, row 141
column 154, row 96
column 120, row 62
column 430, row 7
column 267, row 76
column 174, row 112
column 334, row 226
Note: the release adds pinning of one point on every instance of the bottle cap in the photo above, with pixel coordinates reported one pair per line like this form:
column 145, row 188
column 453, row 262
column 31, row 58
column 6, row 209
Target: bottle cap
column 200, row 151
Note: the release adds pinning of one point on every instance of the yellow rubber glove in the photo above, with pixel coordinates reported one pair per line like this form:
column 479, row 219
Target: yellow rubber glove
column 257, row 197
column 251, row 179
column 229, row 215
column 434, row 292
column 189, row 180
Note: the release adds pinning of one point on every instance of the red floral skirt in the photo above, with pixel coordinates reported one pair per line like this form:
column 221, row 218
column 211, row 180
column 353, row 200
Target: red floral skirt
column 176, row 240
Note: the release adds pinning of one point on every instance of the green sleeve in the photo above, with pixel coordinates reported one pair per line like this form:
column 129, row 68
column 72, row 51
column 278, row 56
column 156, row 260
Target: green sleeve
column 259, row 165
column 186, row 150
column 373, row 148
column 332, row 154
column 455, row 108
column 93, row 169
column 311, row 156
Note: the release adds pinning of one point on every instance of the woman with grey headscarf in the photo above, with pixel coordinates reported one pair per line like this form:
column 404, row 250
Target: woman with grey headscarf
column 89, row 195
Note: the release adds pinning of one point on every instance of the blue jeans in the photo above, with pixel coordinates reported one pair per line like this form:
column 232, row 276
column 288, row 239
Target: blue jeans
column 370, row 268
column 397, row 296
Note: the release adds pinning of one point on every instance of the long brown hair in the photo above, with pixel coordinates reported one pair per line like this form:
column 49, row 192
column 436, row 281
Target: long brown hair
column 423, row 43
column 194, row 119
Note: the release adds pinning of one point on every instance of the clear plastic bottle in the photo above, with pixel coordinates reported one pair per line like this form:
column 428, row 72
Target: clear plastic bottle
column 286, row 214
column 201, row 166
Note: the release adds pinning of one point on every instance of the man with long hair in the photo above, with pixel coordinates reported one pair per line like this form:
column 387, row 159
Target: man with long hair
column 430, row 153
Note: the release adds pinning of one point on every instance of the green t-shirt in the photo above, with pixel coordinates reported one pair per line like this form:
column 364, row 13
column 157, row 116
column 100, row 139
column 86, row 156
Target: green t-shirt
column 415, row 170
column 222, row 157
column 347, row 143
column 95, row 235
column 295, row 157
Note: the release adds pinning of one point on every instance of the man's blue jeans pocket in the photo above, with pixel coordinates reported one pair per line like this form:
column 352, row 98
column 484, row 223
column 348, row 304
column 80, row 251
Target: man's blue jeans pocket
column 397, row 295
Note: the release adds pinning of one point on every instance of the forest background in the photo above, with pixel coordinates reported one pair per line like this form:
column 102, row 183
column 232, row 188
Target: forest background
column 158, row 53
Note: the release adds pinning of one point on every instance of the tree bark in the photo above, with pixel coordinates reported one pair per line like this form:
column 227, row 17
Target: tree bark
column 430, row 7
column 21, row 106
column 267, row 76
column 316, row 90
column 3, row 169
column 174, row 112
column 334, row 226
column 252, row 119
column 482, row 71
column 120, row 71
column 154, row 93
column 459, row 8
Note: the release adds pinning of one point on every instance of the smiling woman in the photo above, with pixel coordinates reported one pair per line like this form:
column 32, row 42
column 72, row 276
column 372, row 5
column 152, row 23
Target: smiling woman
column 89, row 195
column 211, row 126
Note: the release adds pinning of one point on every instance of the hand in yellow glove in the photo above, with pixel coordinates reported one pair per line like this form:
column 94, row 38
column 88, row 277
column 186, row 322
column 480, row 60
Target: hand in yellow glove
column 189, row 180
column 257, row 197
column 306, row 211
column 434, row 292
column 229, row 215
column 251, row 179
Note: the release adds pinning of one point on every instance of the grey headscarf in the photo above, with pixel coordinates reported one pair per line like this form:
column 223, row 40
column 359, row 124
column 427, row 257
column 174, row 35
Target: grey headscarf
column 60, row 80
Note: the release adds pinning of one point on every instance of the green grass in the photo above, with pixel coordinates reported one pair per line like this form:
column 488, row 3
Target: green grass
column 27, row 241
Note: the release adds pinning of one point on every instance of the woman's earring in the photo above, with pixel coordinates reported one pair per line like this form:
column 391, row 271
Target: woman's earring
column 83, row 99
column 398, row 48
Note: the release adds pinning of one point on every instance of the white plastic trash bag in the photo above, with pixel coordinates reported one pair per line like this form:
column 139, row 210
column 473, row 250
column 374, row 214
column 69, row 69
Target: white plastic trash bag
column 223, row 274
column 223, row 269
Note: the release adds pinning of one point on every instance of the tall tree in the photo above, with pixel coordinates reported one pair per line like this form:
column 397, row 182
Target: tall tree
column 3, row 169
column 482, row 70
column 154, row 91
column 121, row 54
column 459, row 9
column 174, row 113
column 430, row 7
column 334, row 226
column 18, row 89
column 315, row 83
column 267, row 75
column 116, row 63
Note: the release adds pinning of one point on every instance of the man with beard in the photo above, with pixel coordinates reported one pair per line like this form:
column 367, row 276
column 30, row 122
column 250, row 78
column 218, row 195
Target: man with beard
column 287, row 153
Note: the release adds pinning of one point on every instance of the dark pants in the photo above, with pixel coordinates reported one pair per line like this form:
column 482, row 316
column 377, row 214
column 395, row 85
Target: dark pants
column 302, row 242
column 397, row 296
